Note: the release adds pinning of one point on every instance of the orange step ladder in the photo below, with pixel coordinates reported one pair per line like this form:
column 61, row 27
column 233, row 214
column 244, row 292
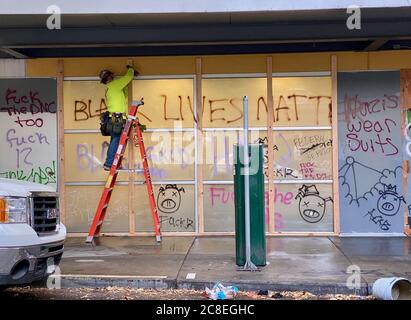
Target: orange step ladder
column 112, row 177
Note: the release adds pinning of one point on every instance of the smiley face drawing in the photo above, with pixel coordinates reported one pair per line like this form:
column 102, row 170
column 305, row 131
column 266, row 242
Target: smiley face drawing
column 311, row 205
column 389, row 202
column 169, row 198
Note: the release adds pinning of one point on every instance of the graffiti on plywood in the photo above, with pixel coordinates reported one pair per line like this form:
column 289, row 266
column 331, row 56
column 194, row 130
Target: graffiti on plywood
column 311, row 205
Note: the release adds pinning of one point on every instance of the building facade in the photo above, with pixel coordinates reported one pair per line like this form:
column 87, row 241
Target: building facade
column 333, row 121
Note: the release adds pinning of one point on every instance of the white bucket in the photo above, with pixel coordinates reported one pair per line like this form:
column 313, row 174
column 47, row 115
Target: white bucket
column 392, row 289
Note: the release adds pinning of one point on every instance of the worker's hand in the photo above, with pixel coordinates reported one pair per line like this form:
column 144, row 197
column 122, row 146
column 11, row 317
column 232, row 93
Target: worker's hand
column 136, row 73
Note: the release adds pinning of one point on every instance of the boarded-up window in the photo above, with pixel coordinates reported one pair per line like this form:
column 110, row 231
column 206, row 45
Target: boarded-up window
column 370, row 152
column 302, row 101
column 223, row 102
column 299, row 155
column 28, row 131
column 219, row 207
column 168, row 113
column 81, row 204
column 168, row 102
column 302, row 146
column 305, row 207
column 175, row 204
column 171, row 155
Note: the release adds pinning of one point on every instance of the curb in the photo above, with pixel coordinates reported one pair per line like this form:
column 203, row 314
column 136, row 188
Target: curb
column 74, row 281
column 314, row 288
column 96, row 281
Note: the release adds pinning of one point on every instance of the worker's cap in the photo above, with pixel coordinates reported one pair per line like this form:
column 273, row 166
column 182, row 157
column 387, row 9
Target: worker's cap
column 104, row 74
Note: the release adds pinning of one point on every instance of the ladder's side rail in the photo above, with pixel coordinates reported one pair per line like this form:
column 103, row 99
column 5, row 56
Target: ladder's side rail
column 111, row 180
column 148, row 182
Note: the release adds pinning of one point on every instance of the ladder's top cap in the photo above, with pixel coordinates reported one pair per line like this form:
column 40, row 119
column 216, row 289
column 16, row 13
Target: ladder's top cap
column 137, row 103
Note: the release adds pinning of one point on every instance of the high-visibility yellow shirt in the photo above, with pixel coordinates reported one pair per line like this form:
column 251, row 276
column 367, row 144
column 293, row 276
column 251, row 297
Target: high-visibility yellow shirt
column 117, row 93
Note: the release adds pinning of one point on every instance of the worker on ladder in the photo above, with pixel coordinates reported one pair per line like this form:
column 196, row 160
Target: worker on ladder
column 118, row 147
column 117, row 105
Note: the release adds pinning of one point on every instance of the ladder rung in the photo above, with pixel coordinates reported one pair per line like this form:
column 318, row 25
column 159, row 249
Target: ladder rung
column 131, row 170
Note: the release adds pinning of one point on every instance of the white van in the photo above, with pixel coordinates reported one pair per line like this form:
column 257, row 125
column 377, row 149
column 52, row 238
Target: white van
column 31, row 234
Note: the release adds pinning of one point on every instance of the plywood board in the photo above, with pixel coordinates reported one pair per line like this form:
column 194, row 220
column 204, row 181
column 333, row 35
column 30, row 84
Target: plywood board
column 28, row 134
column 370, row 156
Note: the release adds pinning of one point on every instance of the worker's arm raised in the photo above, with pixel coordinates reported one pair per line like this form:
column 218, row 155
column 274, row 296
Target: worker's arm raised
column 136, row 73
column 122, row 82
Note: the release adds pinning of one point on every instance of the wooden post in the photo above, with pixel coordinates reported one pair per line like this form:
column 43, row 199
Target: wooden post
column 334, row 105
column 200, row 139
column 270, row 138
column 61, row 149
column 405, row 77
column 131, row 163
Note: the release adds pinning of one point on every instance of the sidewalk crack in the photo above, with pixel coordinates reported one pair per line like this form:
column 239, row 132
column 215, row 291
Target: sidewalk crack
column 184, row 260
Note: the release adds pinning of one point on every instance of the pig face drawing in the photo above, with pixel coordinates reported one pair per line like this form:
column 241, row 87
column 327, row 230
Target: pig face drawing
column 389, row 202
column 311, row 205
column 169, row 198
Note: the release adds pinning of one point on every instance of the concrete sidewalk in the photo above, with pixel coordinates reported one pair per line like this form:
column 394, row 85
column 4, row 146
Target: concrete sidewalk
column 315, row 264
